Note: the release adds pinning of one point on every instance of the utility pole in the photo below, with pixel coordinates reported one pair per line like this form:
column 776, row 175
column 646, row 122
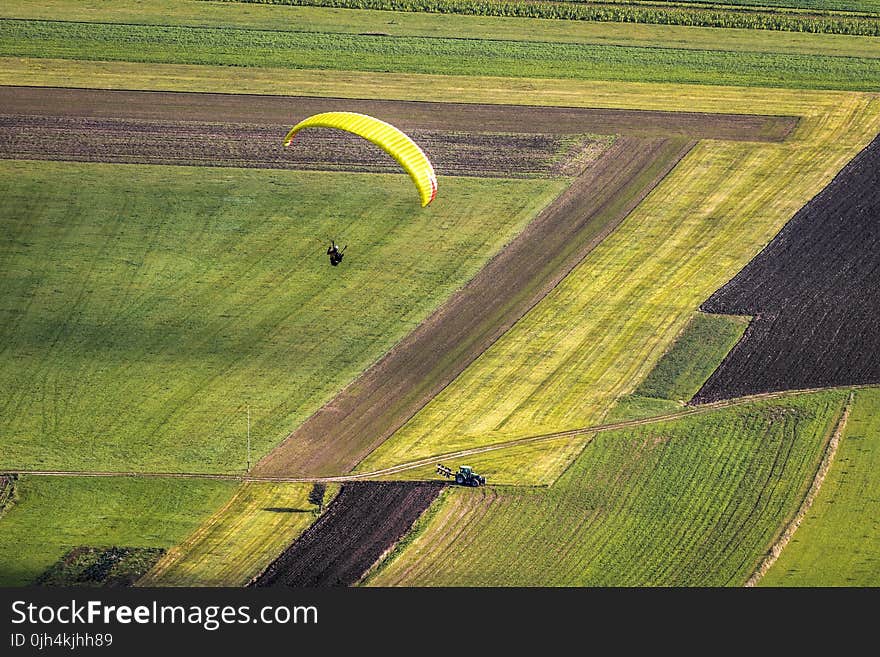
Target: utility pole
column 248, row 438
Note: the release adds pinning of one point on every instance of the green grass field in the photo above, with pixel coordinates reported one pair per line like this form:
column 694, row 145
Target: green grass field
column 683, row 369
column 55, row 514
column 241, row 539
column 144, row 306
column 838, row 543
column 692, row 502
column 451, row 56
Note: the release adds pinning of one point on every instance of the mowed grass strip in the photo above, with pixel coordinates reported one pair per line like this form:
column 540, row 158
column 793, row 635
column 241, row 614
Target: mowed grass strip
column 52, row 515
column 682, row 370
column 364, row 52
column 838, row 542
column 691, row 502
column 145, row 307
column 696, row 353
column 598, row 334
column 411, row 86
column 195, row 13
column 241, row 539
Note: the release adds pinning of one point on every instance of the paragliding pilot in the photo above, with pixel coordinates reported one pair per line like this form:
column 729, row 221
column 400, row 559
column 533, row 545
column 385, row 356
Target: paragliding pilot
column 335, row 253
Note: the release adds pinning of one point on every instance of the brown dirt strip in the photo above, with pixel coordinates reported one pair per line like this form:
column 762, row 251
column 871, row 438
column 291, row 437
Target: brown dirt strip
column 361, row 524
column 824, row 466
column 407, row 115
column 253, row 145
column 340, row 434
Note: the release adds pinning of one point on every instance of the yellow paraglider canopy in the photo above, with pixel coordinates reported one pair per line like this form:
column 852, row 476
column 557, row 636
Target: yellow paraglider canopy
column 385, row 136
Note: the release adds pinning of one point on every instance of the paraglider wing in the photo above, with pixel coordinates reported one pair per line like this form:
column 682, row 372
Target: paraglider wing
column 385, row 136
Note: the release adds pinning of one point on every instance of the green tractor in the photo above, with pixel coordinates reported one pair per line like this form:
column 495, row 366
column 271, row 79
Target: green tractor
column 464, row 477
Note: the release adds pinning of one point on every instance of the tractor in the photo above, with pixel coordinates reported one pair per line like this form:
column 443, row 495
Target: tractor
column 464, row 477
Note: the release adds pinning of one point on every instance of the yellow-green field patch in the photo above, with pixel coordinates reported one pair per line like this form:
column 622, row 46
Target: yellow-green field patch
column 240, row 539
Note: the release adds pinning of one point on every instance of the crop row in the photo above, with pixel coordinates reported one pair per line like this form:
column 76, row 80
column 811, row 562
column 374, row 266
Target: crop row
column 443, row 56
column 702, row 17
column 856, row 7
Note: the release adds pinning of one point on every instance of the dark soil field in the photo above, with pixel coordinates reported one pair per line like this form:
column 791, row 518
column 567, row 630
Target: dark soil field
column 814, row 292
column 362, row 523
column 134, row 141
column 407, row 115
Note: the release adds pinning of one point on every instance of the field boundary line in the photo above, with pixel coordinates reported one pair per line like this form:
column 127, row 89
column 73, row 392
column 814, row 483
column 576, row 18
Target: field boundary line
column 428, row 460
column 824, row 466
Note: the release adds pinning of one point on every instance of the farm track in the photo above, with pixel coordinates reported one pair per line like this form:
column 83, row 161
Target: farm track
column 410, row 465
column 362, row 523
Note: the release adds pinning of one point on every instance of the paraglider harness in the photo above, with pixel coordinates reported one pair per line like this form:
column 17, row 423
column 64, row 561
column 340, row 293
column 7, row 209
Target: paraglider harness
column 335, row 253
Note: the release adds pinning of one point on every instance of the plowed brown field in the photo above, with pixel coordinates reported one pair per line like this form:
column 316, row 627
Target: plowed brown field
column 362, row 522
column 815, row 295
